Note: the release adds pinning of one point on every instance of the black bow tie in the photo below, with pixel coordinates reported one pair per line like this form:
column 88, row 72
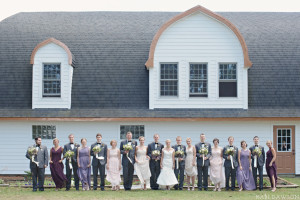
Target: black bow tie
column 129, row 140
column 230, row 146
column 71, row 143
column 37, row 145
column 99, row 143
column 156, row 143
column 256, row 145
column 179, row 145
column 202, row 143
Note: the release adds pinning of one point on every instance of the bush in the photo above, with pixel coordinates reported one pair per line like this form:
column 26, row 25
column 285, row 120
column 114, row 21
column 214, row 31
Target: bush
column 27, row 176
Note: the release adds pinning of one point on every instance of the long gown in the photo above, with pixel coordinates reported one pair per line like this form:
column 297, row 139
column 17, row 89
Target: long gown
column 167, row 176
column 142, row 168
column 84, row 172
column 271, row 171
column 190, row 170
column 245, row 177
column 57, row 169
column 217, row 174
column 113, row 173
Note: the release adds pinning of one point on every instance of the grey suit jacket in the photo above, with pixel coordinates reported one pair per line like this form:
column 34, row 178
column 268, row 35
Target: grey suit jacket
column 261, row 158
column 102, row 153
column 130, row 153
column 151, row 147
column 67, row 147
column 200, row 159
column 183, row 148
column 227, row 162
column 42, row 157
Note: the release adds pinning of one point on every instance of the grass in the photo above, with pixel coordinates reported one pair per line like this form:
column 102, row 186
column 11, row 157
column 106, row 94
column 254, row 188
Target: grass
column 50, row 194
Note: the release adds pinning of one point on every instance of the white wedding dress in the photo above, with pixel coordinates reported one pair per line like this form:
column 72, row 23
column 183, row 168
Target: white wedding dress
column 167, row 176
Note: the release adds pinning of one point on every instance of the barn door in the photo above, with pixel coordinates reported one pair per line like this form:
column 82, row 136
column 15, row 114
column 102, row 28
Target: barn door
column 284, row 144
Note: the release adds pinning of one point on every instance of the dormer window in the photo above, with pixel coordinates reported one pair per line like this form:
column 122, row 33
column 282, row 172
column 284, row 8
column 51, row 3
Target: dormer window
column 227, row 80
column 52, row 80
column 169, row 79
column 198, row 80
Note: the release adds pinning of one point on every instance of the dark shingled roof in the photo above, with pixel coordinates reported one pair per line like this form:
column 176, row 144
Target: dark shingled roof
column 111, row 49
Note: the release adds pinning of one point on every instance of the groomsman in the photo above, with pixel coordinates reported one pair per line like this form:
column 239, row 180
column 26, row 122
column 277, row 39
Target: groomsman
column 99, row 163
column 260, row 163
column 179, row 170
column 128, row 161
column 203, row 169
column 154, row 163
column 229, row 172
column 73, row 147
column 38, row 171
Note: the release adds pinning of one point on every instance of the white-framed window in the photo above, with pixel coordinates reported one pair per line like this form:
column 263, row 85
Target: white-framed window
column 168, row 79
column 198, row 80
column 44, row 131
column 227, row 80
column 136, row 130
column 51, row 80
column 284, row 139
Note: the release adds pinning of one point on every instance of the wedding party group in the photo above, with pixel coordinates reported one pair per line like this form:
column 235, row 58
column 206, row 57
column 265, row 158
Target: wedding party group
column 156, row 165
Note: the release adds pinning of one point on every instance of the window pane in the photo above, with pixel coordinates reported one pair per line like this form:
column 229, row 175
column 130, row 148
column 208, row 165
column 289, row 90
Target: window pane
column 227, row 71
column 51, row 81
column 136, row 130
column 43, row 131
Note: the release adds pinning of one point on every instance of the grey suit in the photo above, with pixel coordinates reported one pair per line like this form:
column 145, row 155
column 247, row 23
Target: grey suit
column 128, row 167
column 202, row 169
column 260, row 166
column 229, row 172
column 67, row 147
column 181, row 167
column 38, row 171
column 154, row 165
column 99, row 165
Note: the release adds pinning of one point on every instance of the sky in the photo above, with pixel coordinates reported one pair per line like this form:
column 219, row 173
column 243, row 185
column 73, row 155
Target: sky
column 11, row 7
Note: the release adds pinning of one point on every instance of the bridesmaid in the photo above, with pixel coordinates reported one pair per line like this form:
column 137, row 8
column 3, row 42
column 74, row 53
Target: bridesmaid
column 113, row 165
column 84, row 165
column 56, row 165
column 244, row 172
column 271, row 166
column 217, row 174
column 190, row 163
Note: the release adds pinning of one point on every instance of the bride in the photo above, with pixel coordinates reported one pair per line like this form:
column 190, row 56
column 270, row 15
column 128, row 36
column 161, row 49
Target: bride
column 167, row 178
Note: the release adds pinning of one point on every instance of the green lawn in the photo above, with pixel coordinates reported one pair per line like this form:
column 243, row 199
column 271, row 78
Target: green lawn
column 22, row 193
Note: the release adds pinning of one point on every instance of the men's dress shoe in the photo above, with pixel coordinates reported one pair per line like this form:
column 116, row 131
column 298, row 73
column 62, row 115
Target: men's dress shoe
column 176, row 188
column 33, row 190
column 260, row 189
column 77, row 189
column 67, row 189
column 199, row 189
column 232, row 189
column 205, row 189
column 227, row 189
column 180, row 188
column 94, row 188
column 41, row 190
column 102, row 189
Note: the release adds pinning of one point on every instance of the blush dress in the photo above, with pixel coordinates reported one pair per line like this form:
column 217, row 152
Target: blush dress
column 141, row 167
column 217, row 174
column 113, row 173
column 190, row 170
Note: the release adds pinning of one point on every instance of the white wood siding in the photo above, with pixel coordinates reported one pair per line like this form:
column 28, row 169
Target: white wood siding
column 16, row 136
column 198, row 38
column 51, row 53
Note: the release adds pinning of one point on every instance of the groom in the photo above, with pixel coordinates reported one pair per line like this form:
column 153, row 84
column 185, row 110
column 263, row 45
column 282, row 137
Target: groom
column 99, row 163
column 154, row 163
column 72, row 147
column 203, row 169
column 38, row 170
column 229, row 172
column 179, row 170
column 260, row 163
column 128, row 160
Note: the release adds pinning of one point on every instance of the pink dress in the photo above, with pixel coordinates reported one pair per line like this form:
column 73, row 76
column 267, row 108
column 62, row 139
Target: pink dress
column 217, row 174
column 113, row 173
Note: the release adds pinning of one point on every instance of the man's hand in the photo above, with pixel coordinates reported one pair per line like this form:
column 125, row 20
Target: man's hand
column 45, row 166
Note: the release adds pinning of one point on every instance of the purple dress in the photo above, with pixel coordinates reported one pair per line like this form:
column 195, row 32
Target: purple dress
column 84, row 172
column 271, row 171
column 245, row 177
column 57, row 168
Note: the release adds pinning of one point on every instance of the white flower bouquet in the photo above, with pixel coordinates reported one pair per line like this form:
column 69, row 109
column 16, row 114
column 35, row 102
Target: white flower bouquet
column 69, row 155
column 96, row 149
column 230, row 151
column 204, row 152
column 32, row 151
column 256, row 153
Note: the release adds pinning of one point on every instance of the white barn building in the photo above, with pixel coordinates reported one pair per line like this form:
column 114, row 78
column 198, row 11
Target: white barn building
column 222, row 74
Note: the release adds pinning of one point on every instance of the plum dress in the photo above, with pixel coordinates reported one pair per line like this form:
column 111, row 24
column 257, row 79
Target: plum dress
column 57, row 168
column 245, row 177
column 271, row 171
column 84, row 172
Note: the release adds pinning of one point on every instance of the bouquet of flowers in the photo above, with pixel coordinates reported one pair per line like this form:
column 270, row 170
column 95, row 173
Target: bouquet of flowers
column 127, row 147
column 178, row 154
column 155, row 155
column 256, row 153
column 68, row 155
column 32, row 152
column 96, row 149
column 230, row 151
column 204, row 152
